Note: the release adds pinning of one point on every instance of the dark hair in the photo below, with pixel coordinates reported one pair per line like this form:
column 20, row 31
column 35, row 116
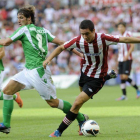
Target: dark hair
column 121, row 23
column 87, row 24
column 28, row 11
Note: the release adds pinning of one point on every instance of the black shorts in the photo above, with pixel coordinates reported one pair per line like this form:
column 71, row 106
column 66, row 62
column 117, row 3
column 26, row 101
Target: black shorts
column 125, row 67
column 90, row 85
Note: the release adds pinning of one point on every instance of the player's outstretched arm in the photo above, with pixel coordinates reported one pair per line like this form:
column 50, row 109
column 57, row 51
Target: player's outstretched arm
column 129, row 40
column 5, row 42
column 77, row 53
column 129, row 52
column 2, row 52
column 60, row 42
column 56, row 52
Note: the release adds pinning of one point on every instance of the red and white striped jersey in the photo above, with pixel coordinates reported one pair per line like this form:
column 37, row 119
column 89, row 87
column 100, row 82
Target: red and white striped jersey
column 124, row 48
column 94, row 63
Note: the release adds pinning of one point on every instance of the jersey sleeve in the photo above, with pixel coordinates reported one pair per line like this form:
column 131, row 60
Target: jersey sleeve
column 18, row 34
column 110, row 39
column 50, row 37
column 70, row 45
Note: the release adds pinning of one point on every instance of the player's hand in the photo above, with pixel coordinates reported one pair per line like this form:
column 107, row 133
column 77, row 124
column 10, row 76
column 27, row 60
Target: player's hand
column 125, row 58
column 46, row 62
column 81, row 55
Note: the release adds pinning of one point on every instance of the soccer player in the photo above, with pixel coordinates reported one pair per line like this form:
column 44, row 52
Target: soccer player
column 16, row 96
column 94, row 67
column 35, row 45
column 125, row 61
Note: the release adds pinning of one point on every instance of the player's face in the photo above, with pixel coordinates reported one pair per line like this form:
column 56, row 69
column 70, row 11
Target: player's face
column 87, row 35
column 22, row 20
column 121, row 28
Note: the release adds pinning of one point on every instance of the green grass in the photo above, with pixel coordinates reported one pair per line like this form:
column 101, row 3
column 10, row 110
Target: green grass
column 36, row 120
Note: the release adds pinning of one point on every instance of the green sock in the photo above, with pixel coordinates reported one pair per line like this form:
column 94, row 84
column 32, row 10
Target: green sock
column 14, row 96
column 1, row 96
column 7, row 110
column 67, row 106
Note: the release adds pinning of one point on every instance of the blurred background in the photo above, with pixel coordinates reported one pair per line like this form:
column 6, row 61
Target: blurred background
column 62, row 18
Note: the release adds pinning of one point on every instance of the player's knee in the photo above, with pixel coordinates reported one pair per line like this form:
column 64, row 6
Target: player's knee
column 124, row 77
column 6, row 91
column 53, row 104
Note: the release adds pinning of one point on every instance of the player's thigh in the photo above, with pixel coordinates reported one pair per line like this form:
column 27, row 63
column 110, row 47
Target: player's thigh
column 92, row 87
column 82, row 98
column 19, row 81
column 41, row 80
column 124, row 77
column 127, row 67
column 120, row 68
column 12, row 87
column 80, row 88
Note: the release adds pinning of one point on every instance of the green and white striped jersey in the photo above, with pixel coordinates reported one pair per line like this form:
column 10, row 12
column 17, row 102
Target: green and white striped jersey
column 35, row 44
column 1, row 64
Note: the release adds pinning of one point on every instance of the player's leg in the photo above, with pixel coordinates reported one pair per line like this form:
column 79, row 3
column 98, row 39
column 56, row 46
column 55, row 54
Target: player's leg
column 90, row 87
column 17, row 82
column 65, row 106
column 43, row 83
column 123, row 88
column 11, row 88
column 133, row 84
column 71, row 115
column 126, row 77
column 16, row 96
column 121, row 71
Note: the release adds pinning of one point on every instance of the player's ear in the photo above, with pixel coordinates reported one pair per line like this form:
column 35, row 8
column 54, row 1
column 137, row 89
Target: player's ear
column 29, row 19
column 93, row 31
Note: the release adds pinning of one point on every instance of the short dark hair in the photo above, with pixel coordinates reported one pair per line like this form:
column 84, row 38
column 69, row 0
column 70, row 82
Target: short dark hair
column 28, row 11
column 87, row 24
column 121, row 23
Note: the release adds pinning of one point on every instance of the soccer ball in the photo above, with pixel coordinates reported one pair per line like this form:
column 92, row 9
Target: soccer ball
column 90, row 128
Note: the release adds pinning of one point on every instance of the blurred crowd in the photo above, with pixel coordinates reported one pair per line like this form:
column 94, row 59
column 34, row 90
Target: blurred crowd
column 62, row 18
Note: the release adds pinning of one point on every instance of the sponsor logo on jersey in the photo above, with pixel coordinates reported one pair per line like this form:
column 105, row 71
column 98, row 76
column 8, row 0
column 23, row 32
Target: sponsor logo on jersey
column 93, row 54
column 38, row 31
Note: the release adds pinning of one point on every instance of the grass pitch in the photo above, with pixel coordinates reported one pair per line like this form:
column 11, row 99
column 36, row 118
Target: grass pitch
column 118, row 120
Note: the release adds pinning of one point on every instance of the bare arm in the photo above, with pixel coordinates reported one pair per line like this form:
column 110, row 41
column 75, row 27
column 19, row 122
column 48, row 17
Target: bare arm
column 56, row 52
column 5, row 42
column 77, row 53
column 2, row 52
column 129, row 52
column 129, row 40
column 58, row 41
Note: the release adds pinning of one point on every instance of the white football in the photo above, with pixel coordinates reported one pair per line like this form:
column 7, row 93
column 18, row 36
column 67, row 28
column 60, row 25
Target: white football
column 90, row 128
